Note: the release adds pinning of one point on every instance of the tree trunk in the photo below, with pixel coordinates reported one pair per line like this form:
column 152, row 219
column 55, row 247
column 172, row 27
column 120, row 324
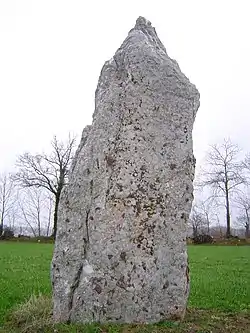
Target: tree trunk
column 195, row 231
column 1, row 225
column 50, row 210
column 57, row 199
column 39, row 225
column 208, row 224
column 247, row 233
column 228, row 234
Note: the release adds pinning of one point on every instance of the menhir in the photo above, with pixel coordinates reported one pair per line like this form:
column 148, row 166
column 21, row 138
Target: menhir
column 120, row 252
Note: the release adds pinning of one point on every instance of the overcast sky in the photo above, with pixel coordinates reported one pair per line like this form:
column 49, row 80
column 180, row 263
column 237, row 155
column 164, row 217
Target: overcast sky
column 52, row 52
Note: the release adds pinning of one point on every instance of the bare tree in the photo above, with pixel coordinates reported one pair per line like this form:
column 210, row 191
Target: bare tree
column 12, row 215
column 246, row 167
column 208, row 208
column 49, row 207
column 7, row 198
column 26, row 217
column 196, row 221
column 243, row 204
column 219, row 226
column 49, row 171
column 35, row 207
column 224, row 175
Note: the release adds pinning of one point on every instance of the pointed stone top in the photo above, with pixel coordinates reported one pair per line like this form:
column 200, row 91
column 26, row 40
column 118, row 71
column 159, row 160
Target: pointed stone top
column 142, row 22
column 143, row 25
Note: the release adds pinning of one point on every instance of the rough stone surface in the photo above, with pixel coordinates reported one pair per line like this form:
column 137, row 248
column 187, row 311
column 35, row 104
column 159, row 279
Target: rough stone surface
column 120, row 252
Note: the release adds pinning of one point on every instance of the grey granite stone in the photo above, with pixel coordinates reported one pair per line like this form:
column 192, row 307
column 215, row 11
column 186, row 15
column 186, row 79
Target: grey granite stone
column 120, row 252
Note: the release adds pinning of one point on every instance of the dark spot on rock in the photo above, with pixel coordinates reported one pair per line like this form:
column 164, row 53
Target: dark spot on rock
column 98, row 288
column 176, row 307
column 123, row 215
column 166, row 285
column 115, row 264
column 152, row 186
column 123, row 256
column 138, row 208
column 159, row 199
column 172, row 166
column 91, row 218
column 91, row 186
column 145, row 309
column 110, row 256
column 182, row 216
column 119, row 187
column 110, row 160
column 67, row 220
column 144, row 266
column 141, row 189
column 121, row 283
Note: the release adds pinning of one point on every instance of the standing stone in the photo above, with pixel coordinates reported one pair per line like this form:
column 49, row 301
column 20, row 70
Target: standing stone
column 120, row 252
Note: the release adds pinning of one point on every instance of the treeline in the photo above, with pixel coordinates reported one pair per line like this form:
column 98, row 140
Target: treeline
column 222, row 191
column 29, row 197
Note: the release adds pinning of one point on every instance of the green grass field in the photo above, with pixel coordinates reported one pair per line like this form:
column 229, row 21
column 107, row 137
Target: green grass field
column 24, row 270
column 220, row 275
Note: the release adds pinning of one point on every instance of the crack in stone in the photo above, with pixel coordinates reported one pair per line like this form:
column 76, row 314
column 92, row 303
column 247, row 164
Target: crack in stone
column 73, row 288
column 87, row 225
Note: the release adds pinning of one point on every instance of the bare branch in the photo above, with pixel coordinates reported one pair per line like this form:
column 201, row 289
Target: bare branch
column 224, row 174
column 7, row 198
column 48, row 171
